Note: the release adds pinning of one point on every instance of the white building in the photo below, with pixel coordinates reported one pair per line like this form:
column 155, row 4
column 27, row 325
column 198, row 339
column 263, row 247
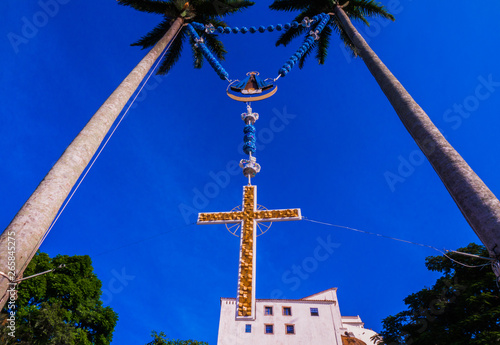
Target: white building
column 311, row 320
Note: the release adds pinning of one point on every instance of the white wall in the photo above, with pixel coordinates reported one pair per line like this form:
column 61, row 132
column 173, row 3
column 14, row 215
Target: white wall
column 323, row 329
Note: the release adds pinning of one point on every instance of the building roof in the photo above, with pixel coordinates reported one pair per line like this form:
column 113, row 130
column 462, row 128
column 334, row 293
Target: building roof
column 307, row 299
column 321, row 292
column 285, row 300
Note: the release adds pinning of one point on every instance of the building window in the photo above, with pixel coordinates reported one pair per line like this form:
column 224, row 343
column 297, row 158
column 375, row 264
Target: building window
column 287, row 311
column 268, row 310
column 269, row 329
column 314, row 312
column 248, row 328
column 290, row 329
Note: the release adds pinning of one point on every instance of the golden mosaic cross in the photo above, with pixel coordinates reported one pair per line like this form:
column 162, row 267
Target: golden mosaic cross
column 249, row 216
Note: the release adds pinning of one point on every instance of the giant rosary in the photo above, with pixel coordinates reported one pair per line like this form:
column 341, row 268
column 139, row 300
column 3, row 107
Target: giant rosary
column 249, row 217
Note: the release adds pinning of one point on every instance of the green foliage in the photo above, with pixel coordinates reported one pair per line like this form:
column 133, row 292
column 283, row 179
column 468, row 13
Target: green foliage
column 356, row 10
column 462, row 308
column 203, row 11
column 61, row 307
column 161, row 339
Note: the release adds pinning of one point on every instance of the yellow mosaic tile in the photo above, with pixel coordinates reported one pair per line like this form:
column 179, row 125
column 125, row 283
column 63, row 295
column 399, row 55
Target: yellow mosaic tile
column 249, row 216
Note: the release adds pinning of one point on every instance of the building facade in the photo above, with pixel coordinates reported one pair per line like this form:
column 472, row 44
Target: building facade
column 311, row 320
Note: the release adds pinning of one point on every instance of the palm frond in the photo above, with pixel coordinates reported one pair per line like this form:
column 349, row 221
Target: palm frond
column 289, row 5
column 214, row 21
column 197, row 55
column 369, row 8
column 356, row 14
column 355, row 9
column 152, row 37
column 323, row 43
column 291, row 33
column 306, row 54
column 203, row 11
column 219, row 8
column 150, row 6
column 344, row 37
column 173, row 54
column 215, row 46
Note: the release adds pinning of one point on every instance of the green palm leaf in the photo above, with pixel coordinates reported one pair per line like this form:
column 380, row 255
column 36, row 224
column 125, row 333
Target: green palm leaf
column 289, row 5
column 173, row 54
column 197, row 55
column 355, row 9
column 323, row 43
column 203, row 11
column 154, row 35
column 215, row 46
column 306, row 54
column 217, row 8
column 344, row 37
column 291, row 33
column 369, row 8
column 150, row 6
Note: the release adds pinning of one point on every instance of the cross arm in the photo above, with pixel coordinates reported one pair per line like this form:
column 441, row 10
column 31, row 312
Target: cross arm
column 219, row 217
column 279, row 215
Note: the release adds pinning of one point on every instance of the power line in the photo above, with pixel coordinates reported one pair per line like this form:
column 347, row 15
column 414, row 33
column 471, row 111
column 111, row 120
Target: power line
column 443, row 252
column 94, row 159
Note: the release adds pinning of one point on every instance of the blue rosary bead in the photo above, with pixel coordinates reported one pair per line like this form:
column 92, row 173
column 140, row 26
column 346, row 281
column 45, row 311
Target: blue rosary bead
column 262, row 29
column 220, row 29
column 249, row 147
column 287, row 26
column 252, row 29
column 295, row 24
column 227, row 30
column 279, row 27
column 244, row 30
column 270, row 28
column 221, row 72
column 249, row 138
column 235, row 30
column 249, row 129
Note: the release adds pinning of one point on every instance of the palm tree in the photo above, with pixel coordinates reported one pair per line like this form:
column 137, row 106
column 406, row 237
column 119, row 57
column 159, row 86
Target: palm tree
column 477, row 203
column 30, row 224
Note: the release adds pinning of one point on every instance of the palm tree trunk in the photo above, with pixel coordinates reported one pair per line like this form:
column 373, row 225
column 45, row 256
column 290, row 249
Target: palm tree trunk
column 34, row 218
column 477, row 203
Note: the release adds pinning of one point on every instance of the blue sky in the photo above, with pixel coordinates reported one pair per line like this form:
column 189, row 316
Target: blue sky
column 329, row 140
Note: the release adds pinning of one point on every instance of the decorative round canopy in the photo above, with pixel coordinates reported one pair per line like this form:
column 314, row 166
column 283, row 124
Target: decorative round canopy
column 252, row 88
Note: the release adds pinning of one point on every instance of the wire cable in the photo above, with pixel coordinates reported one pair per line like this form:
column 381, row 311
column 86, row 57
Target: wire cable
column 96, row 156
column 410, row 242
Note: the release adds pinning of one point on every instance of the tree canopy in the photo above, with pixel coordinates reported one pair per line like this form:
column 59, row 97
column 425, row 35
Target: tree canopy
column 203, row 11
column 62, row 307
column 161, row 339
column 461, row 308
column 358, row 10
